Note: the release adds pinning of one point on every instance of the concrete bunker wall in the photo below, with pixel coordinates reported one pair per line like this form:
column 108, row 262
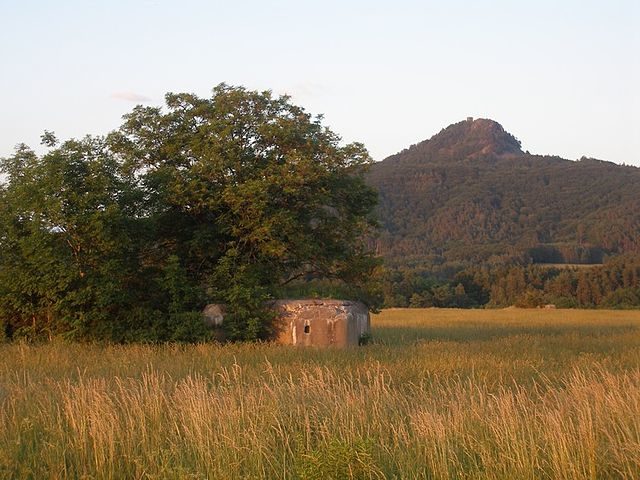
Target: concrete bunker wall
column 311, row 322
column 321, row 323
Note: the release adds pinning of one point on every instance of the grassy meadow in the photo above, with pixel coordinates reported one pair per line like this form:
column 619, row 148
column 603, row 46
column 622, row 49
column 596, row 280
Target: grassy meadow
column 484, row 394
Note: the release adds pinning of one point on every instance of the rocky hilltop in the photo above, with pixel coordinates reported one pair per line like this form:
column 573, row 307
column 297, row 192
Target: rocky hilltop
column 470, row 194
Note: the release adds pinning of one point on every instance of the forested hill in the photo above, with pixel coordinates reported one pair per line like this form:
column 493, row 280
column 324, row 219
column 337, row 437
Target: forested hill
column 470, row 195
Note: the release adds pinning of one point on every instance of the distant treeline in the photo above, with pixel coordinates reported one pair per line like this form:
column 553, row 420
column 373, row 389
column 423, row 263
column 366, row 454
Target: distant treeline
column 615, row 284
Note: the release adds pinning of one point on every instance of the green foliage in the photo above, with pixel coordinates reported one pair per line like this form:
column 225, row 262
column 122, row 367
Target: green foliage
column 240, row 289
column 615, row 284
column 223, row 199
column 181, row 291
column 263, row 193
column 622, row 298
column 612, row 285
column 68, row 245
column 339, row 460
column 365, row 338
column 415, row 288
column 530, row 299
column 366, row 287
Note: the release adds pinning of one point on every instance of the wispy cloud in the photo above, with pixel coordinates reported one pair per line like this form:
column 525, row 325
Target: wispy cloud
column 130, row 97
column 306, row 90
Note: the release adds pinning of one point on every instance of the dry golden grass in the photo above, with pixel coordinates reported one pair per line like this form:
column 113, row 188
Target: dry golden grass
column 504, row 394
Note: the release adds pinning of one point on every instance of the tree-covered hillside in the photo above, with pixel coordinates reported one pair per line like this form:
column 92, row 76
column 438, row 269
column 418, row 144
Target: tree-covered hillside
column 470, row 195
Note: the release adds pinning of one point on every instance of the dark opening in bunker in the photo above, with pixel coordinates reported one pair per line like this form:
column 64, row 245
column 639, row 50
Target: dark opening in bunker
column 306, row 329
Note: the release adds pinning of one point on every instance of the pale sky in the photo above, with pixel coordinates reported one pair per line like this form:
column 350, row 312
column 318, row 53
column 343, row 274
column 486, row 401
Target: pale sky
column 562, row 75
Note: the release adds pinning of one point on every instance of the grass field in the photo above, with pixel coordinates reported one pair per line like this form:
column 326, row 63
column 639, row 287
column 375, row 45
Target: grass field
column 496, row 394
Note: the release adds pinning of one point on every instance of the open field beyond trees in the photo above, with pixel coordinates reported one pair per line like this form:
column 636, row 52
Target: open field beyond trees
column 498, row 394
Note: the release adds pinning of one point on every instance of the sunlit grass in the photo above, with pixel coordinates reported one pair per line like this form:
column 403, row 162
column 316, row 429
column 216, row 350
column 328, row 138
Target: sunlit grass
column 439, row 394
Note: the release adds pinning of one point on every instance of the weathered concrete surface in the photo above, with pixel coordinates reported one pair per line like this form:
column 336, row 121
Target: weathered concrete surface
column 310, row 322
column 321, row 323
column 213, row 314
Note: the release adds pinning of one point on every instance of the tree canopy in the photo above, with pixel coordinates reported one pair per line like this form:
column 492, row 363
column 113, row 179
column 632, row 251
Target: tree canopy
column 221, row 199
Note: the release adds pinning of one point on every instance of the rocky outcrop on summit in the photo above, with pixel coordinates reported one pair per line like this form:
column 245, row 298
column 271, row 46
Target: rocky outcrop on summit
column 469, row 139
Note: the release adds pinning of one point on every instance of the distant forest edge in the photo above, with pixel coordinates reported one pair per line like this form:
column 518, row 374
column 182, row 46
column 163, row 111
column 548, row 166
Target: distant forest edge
column 470, row 204
column 616, row 284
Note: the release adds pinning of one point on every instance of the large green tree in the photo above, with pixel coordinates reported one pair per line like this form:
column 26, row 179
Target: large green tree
column 227, row 198
column 66, row 248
